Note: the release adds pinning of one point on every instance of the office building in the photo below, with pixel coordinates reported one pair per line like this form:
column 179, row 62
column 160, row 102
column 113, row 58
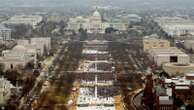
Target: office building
column 154, row 43
column 32, row 20
column 176, row 26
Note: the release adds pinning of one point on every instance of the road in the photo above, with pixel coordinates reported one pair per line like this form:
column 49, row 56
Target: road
column 44, row 74
column 59, row 77
column 137, row 101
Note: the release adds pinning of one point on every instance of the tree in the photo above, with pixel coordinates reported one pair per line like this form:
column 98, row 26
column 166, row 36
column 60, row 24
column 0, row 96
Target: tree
column 29, row 65
column 163, row 73
column 189, row 107
column 178, row 102
column 20, row 30
column 62, row 24
column 2, row 66
column 45, row 51
column 45, row 29
column 12, row 76
column 110, row 30
column 190, row 51
column 83, row 34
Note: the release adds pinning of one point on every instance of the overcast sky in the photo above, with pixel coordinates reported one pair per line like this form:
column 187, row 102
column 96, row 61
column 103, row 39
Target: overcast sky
column 84, row 3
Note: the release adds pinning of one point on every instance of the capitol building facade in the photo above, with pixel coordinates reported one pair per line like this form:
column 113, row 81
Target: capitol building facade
column 95, row 24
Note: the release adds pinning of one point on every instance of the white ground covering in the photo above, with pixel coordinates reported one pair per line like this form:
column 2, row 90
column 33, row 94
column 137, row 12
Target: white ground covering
column 96, row 108
column 87, row 97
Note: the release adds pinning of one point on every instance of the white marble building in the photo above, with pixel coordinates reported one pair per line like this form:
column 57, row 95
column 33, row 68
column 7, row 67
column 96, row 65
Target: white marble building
column 32, row 20
column 37, row 43
column 19, row 55
column 24, row 52
column 94, row 24
column 162, row 56
column 176, row 26
column 154, row 43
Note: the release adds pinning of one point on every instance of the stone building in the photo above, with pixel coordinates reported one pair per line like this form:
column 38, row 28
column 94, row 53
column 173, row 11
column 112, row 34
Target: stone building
column 95, row 24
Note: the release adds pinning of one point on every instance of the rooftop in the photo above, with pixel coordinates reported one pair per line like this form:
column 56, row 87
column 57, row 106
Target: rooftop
column 165, row 100
column 190, row 74
column 178, row 81
column 151, row 38
column 2, row 27
column 20, row 48
column 167, row 51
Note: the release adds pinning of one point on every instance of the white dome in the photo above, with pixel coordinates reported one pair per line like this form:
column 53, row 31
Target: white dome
column 19, row 47
column 96, row 13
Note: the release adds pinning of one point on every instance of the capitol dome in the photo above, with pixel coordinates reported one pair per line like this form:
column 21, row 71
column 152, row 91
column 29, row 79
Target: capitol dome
column 96, row 14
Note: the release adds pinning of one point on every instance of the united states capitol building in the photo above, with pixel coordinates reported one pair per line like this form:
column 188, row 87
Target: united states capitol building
column 95, row 23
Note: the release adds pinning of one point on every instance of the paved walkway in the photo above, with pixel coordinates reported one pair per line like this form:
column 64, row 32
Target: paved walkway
column 136, row 100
